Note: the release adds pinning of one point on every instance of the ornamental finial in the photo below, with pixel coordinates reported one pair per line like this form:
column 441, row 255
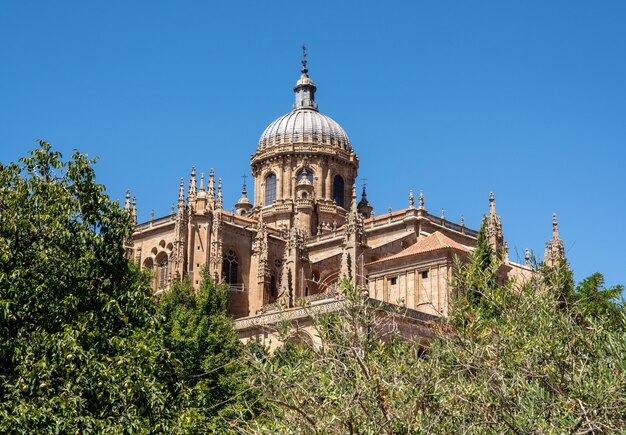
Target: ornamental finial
column 181, row 194
column 555, row 227
column 127, row 201
column 411, row 199
column 421, row 200
column 304, row 61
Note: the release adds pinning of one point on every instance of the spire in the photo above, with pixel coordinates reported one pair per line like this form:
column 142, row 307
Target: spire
column 555, row 248
column 127, row 201
column 243, row 205
column 305, row 88
column 211, row 190
column 191, row 195
column 202, row 182
column 353, row 202
column 219, row 194
column 555, row 227
column 494, row 227
column 181, row 194
column 364, row 207
column 411, row 199
column 134, row 209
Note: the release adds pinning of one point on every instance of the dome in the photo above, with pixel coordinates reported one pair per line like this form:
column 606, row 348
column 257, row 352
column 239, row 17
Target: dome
column 304, row 125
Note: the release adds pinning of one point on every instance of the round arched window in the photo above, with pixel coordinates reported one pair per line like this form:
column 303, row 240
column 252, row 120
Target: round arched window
column 270, row 189
column 338, row 191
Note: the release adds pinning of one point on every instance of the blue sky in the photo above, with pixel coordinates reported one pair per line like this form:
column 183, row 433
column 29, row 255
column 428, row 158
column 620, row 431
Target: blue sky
column 457, row 99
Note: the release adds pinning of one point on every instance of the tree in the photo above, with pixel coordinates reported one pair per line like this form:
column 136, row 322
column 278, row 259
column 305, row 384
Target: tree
column 513, row 360
column 78, row 350
column 596, row 301
column 201, row 337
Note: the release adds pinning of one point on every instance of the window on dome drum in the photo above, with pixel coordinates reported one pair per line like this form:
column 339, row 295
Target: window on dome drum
column 309, row 175
column 338, row 190
column 230, row 267
column 270, row 189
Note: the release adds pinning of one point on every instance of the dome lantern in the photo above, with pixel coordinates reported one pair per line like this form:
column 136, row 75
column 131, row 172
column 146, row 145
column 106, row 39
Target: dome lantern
column 305, row 88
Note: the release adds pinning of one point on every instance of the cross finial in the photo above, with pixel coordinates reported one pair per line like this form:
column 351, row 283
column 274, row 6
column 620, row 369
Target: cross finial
column 304, row 61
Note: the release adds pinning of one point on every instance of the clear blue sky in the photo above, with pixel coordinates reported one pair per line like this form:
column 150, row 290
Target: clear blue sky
column 523, row 98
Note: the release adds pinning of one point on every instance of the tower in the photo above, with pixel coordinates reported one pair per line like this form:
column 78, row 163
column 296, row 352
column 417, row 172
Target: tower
column 304, row 143
column 495, row 238
column 555, row 249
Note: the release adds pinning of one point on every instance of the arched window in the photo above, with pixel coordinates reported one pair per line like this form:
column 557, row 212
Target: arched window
column 300, row 174
column 230, row 267
column 273, row 286
column 338, row 195
column 270, row 189
column 162, row 272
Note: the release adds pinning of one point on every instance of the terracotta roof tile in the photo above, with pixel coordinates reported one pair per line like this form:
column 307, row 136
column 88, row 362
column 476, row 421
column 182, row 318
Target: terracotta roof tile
column 434, row 242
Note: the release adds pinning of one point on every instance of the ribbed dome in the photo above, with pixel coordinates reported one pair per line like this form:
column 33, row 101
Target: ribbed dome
column 304, row 125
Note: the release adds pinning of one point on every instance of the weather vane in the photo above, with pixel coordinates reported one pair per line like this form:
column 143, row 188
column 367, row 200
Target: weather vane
column 244, row 176
column 303, row 57
column 364, row 182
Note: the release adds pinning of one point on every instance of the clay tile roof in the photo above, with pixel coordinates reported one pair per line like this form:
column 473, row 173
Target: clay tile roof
column 434, row 242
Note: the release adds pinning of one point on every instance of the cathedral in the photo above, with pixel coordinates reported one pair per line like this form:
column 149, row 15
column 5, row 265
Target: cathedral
column 303, row 229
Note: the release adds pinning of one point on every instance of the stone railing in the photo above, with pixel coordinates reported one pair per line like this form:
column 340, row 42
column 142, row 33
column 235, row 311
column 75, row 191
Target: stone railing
column 328, row 294
column 289, row 314
column 155, row 223
column 330, row 305
column 237, row 287
column 451, row 225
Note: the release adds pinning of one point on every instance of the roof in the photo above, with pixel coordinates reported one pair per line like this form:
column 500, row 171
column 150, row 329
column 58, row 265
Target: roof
column 434, row 242
column 304, row 125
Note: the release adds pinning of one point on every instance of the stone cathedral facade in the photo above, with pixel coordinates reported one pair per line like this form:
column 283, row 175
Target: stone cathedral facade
column 303, row 228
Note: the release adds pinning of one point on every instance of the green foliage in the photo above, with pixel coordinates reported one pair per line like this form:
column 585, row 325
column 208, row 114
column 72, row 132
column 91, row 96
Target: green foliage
column 596, row 301
column 77, row 344
column 84, row 347
column 475, row 282
column 532, row 357
column 200, row 336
